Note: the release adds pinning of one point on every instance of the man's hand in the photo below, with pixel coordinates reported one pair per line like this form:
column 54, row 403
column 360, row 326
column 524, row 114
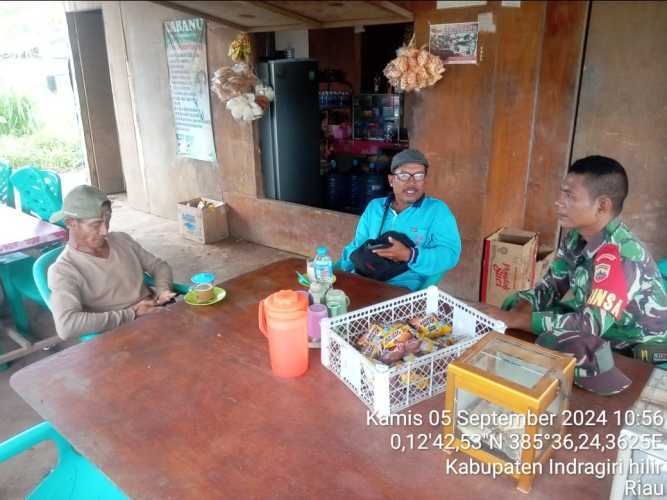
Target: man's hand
column 522, row 306
column 146, row 306
column 519, row 318
column 397, row 252
column 164, row 297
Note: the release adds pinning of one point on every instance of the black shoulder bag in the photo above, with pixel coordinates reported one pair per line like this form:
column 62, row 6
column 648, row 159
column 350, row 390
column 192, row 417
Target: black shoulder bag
column 371, row 265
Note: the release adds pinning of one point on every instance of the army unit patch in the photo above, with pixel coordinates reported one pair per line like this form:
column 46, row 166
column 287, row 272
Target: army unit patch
column 601, row 272
column 609, row 291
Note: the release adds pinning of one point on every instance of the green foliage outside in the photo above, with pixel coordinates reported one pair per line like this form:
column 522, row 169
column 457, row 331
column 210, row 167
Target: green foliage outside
column 25, row 141
column 36, row 125
column 43, row 150
column 16, row 115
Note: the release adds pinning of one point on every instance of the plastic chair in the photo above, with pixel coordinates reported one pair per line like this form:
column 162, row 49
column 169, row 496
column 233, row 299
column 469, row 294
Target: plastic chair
column 18, row 283
column 39, row 278
column 662, row 267
column 41, row 195
column 73, row 477
column 6, row 189
column 40, row 191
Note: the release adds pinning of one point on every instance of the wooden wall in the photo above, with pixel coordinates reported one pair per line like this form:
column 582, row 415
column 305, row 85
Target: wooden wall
column 623, row 107
column 337, row 48
column 499, row 133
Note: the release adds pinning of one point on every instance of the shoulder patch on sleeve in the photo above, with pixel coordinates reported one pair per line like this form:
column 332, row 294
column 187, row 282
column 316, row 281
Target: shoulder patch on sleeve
column 609, row 290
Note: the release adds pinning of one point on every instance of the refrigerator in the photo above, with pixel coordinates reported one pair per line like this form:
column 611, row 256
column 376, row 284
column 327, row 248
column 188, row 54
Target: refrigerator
column 290, row 132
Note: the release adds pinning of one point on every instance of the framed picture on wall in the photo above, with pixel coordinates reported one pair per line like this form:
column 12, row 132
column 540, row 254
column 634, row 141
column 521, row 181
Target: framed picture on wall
column 455, row 43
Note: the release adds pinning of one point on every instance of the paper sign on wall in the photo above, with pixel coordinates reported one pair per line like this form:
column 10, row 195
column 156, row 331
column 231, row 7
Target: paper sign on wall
column 455, row 43
column 185, row 40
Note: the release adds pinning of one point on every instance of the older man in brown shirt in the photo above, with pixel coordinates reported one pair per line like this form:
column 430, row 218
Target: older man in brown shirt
column 97, row 281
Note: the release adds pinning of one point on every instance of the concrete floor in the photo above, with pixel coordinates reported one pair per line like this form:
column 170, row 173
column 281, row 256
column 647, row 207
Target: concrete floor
column 226, row 259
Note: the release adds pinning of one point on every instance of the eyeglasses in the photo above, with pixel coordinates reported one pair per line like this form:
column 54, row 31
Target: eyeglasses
column 405, row 176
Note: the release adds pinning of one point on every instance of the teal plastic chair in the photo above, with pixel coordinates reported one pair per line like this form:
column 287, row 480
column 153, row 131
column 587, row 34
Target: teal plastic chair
column 41, row 195
column 6, row 189
column 40, row 191
column 73, row 477
column 662, row 267
column 18, row 283
column 39, row 278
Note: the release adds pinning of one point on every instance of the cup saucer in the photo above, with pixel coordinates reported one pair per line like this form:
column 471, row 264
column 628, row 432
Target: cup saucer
column 218, row 295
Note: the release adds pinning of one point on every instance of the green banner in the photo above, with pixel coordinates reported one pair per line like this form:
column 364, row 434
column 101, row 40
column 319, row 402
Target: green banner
column 185, row 40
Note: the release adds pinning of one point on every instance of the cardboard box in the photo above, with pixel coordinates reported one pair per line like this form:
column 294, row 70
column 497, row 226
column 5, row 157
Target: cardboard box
column 205, row 225
column 509, row 264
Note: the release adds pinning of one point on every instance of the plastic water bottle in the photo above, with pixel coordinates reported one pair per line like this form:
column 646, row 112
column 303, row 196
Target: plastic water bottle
column 323, row 266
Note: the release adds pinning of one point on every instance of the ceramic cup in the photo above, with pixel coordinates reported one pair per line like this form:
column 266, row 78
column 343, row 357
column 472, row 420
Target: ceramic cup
column 203, row 292
column 337, row 302
column 315, row 313
column 317, row 291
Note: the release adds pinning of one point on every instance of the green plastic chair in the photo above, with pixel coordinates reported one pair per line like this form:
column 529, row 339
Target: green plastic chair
column 6, row 189
column 39, row 278
column 662, row 267
column 73, row 477
column 41, row 195
column 18, row 283
column 40, row 191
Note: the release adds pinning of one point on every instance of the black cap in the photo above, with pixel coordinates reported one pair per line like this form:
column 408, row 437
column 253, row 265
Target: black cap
column 408, row 156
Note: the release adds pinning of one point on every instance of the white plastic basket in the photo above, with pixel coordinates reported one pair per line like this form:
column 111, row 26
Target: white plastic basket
column 379, row 386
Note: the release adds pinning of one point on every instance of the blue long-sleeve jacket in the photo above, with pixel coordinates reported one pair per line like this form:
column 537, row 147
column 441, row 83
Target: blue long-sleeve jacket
column 428, row 222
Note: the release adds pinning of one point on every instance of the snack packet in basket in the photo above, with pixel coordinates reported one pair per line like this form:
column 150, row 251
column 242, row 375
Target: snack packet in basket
column 396, row 333
column 374, row 335
column 414, row 379
column 372, row 351
column 430, row 326
column 391, row 356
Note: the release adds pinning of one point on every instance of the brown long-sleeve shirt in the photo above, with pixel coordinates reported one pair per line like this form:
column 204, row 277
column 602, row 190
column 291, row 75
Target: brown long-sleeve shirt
column 93, row 294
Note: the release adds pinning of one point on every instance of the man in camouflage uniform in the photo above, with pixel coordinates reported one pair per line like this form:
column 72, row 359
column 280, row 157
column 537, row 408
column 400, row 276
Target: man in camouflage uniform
column 603, row 281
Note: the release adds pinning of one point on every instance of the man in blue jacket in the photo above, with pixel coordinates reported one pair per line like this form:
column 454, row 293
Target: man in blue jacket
column 428, row 222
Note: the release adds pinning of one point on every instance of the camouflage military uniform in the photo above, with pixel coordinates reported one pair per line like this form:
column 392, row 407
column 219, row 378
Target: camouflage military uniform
column 609, row 287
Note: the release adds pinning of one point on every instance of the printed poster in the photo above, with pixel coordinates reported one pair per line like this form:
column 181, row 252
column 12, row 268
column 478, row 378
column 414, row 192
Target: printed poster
column 185, row 40
column 455, row 43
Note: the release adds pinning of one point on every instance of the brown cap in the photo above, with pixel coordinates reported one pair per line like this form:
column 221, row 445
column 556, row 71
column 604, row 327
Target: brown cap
column 595, row 370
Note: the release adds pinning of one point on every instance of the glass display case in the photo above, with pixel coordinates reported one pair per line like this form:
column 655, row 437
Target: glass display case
column 506, row 399
column 379, row 117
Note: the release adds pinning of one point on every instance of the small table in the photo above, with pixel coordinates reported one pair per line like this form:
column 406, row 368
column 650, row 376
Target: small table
column 182, row 404
column 20, row 232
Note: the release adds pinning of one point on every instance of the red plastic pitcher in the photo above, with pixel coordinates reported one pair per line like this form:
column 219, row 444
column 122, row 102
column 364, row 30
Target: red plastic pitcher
column 283, row 319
